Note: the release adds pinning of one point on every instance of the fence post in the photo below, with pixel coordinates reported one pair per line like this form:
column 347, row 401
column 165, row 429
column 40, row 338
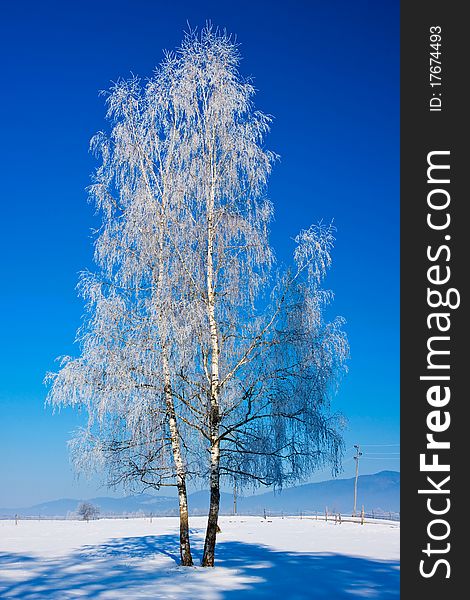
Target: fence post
column 326, row 513
column 362, row 515
column 340, row 521
column 16, row 519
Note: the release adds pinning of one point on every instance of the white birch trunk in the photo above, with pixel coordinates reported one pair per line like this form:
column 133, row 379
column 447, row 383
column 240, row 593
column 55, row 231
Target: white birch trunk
column 214, row 416
column 185, row 549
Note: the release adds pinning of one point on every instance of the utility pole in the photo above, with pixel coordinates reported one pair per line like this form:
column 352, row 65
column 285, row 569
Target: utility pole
column 234, row 497
column 356, row 458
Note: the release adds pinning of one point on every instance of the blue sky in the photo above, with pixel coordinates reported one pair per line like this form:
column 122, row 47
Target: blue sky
column 327, row 71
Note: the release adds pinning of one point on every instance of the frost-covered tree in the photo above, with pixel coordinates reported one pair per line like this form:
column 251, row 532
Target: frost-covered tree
column 198, row 356
column 87, row 511
column 133, row 338
column 261, row 377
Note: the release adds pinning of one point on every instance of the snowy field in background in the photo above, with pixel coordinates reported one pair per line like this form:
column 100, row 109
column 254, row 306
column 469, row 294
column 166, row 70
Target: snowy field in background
column 289, row 558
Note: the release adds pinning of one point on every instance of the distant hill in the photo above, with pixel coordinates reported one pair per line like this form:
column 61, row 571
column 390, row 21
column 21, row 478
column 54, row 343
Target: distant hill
column 380, row 491
column 129, row 505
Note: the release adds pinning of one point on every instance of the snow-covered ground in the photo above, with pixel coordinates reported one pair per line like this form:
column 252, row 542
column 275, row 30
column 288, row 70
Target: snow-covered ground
column 288, row 558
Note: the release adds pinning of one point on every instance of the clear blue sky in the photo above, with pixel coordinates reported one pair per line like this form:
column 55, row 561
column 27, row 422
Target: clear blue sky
column 327, row 71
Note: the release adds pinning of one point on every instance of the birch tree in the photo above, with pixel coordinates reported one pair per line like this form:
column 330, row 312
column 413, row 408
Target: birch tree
column 199, row 356
column 262, row 375
column 129, row 348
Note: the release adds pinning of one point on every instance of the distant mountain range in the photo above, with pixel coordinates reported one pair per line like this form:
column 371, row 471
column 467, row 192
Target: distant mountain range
column 378, row 492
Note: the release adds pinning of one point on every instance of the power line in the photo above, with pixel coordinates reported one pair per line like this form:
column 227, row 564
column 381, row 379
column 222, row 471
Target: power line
column 382, row 453
column 383, row 458
column 380, row 445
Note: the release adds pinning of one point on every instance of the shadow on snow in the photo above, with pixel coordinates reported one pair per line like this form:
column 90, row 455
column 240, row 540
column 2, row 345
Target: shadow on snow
column 144, row 567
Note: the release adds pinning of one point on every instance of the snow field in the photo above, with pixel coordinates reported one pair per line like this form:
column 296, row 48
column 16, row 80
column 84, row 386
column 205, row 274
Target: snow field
column 288, row 558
